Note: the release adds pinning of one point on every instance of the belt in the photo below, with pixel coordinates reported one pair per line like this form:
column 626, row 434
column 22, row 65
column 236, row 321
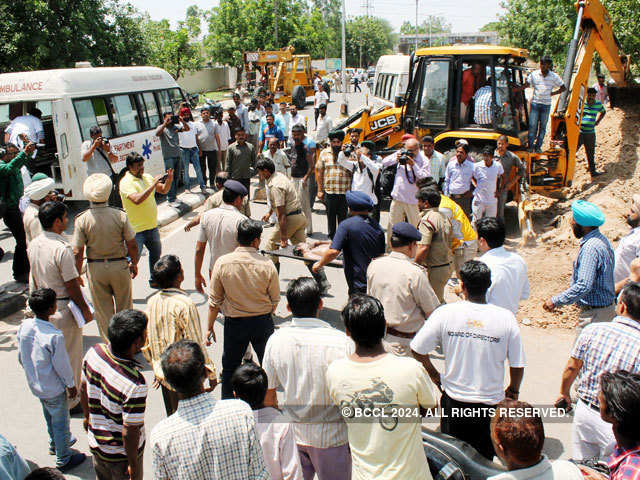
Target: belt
column 592, row 406
column 439, row 266
column 397, row 333
column 105, row 260
column 295, row 212
column 458, row 195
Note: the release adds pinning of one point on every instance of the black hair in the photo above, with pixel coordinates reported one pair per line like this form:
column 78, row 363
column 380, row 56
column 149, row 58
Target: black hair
column 265, row 164
column 41, row 301
column 166, row 270
column 125, row 328
column 95, row 130
column 229, row 196
column 363, row 317
column 249, row 383
column 591, row 90
column 492, row 230
column 464, row 146
column 427, row 139
column 248, row 231
column 221, row 177
column 134, row 157
column 183, row 366
column 631, row 298
column 235, row 95
column 35, row 112
column 621, row 392
column 270, row 115
column 504, row 138
column 426, row 182
column 397, row 241
column 476, row 277
column 298, row 127
column 429, row 195
column 303, row 297
column 45, row 473
column 49, row 212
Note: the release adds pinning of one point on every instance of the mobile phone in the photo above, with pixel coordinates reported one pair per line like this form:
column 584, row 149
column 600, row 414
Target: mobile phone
column 164, row 178
column 563, row 404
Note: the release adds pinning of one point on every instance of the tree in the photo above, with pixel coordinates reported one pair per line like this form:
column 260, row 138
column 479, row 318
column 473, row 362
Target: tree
column 367, row 38
column 41, row 34
column 438, row 25
column 490, row 27
column 193, row 22
column 546, row 26
column 170, row 49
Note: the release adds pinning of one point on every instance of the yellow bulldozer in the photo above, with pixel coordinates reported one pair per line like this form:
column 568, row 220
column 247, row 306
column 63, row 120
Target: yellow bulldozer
column 432, row 104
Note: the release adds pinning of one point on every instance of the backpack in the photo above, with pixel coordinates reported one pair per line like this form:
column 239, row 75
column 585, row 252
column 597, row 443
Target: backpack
column 388, row 179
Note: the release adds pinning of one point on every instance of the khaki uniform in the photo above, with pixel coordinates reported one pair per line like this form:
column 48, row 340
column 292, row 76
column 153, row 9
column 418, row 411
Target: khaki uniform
column 215, row 200
column 436, row 232
column 282, row 193
column 32, row 226
column 403, row 288
column 102, row 230
column 53, row 264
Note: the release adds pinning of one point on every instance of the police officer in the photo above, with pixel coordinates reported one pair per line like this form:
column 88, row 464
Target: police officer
column 39, row 192
column 112, row 252
column 403, row 288
column 434, row 248
column 361, row 239
column 53, row 266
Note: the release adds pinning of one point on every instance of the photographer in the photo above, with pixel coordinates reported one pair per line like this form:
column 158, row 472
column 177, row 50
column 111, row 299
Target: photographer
column 365, row 171
column 96, row 153
column 411, row 167
column 167, row 132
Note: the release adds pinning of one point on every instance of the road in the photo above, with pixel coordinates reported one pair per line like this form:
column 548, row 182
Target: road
column 22, row 422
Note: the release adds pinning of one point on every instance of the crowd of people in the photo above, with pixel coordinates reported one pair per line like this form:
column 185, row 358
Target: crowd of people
column 290, row 410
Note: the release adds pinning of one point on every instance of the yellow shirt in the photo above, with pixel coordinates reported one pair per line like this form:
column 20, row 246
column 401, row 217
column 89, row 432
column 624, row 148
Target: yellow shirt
column 459, row 217
column 145, row 215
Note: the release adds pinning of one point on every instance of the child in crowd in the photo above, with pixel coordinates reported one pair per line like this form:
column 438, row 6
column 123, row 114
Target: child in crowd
column 276, row 434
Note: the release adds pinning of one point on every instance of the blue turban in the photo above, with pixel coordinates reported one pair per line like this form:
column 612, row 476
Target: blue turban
column 359, row 201
column 587, row 214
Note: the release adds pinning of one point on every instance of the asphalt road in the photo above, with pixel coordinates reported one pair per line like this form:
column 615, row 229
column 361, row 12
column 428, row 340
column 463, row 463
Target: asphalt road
column 22, row 423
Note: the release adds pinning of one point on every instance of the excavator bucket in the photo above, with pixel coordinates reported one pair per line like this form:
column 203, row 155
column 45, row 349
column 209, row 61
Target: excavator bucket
column 621, row 97
column 525, row 209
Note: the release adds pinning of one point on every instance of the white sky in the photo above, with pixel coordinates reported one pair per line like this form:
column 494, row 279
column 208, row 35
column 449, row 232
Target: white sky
column 464, row 15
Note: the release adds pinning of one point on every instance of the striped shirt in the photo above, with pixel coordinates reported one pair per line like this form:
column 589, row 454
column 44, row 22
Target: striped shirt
column 592, row 283
column 335, row 178
column 606, row 347
column 483, row 113
column 172, row 316
column 589, row 116
column 624, row 464
column 117, row 395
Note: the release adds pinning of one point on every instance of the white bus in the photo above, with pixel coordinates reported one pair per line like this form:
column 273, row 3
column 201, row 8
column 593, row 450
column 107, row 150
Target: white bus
column 391, row 78
column 126, row 102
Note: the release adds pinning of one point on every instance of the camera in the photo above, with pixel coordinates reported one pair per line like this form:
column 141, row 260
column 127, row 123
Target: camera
column 105, row 141
column 404, row 156
column 348, row 150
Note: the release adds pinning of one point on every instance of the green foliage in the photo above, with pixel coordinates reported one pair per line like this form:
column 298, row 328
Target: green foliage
column 438, row 25
column 43, row 34
column 368, row 37
column 490, row 27
column 546, row 26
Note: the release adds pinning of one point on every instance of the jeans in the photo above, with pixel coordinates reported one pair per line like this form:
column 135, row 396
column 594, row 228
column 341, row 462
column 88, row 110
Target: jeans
column 56, row 414
column 209, row 159
column 538, row 117
column 190, row 156
column 589, row 142
column 239, row 332
column 151, row 240
column 336, row 204
column 13, row 220
column 172, row 162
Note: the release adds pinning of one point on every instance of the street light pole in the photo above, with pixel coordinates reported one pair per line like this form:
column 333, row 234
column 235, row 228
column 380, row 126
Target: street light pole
column 416, row 25
column 344, row 55
column 275, row 14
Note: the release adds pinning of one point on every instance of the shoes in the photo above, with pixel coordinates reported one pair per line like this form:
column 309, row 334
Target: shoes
column 75, row 460
column 76, row 410
column 72, row 442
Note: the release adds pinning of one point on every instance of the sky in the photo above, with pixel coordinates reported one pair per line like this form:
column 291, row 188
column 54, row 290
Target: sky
column 464, row 15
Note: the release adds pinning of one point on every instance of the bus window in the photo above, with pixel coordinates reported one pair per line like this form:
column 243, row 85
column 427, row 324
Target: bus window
column 4, row 113
column 90, row 112
column 45, row 107
column 433, row 107
column 176, row 98
column 164, row 101
column 392, row 88
column 150, row 116
column 125, row 114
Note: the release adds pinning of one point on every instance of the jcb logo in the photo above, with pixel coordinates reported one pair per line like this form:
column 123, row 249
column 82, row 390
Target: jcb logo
column 383, row 122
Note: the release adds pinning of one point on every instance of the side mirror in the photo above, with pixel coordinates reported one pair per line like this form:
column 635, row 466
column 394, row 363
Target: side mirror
column 399, row 101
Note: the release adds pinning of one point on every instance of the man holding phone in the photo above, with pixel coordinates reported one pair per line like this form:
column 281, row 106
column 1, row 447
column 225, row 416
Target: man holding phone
column 96, row 153
column 167, row 132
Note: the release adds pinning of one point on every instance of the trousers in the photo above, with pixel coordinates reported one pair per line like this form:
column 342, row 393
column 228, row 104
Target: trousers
column 296, row 225
column 13, row 220
column 172, row 162
column 591, row 436
column 302, row 189
column 466, row 252
column 63, row 320
column 110, row 288
column 589, row 142
column 150, row 239
column 398, row 212
column 239, row 332
column 473, row 429
column 336, row 204
column 114, row 470
column 333, row 463
column 482, row 209
column 190, row 156
column 56, row 415
column 209, row 159
column 438, row 278
column 538, row 117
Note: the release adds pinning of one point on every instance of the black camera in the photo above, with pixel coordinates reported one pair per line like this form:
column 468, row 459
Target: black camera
column 404, row 156
column 348, row 150
column 105, row 141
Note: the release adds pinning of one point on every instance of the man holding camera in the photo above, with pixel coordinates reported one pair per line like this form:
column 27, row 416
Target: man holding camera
column 96, row 153
column 411, row 167
column 167, row 132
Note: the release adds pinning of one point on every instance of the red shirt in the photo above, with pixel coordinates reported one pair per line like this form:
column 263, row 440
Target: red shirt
column 624, row 464
column 470, row 83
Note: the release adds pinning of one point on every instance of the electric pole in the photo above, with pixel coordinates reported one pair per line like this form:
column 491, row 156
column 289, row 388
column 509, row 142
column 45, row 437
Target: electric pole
column 275, row 15
column 344, row 54
column 416, row 25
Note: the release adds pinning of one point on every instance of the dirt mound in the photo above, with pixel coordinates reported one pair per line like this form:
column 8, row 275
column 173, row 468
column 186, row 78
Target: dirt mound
column 550, row 262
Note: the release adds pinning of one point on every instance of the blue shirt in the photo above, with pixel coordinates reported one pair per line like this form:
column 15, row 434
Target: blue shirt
column 361, row 239
column 592, row 283
column 12, row 465
column 267, row 133
column 243, row 114
column 42, row 354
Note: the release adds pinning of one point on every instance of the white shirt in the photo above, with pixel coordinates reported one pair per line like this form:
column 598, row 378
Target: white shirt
column 626, row 251
column 279, row 159
column 543, row 86
column 297, row 120
column 254, row 122
column 320, row 98
column 296, row 358
column 285, row 122
column 486, row 181
column 509, row 281
column 458, row 177
column 476, row 340
column 362, row 180
column 29, row 125
column 543, row 470
column 187, row 139
column 224, row 134
column 219, row 228
column 325, row 124
column 278, row 442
